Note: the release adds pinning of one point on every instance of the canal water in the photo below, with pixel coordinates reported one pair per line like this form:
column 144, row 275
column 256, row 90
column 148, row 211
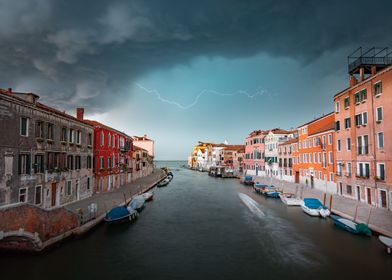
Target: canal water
column 201, row 227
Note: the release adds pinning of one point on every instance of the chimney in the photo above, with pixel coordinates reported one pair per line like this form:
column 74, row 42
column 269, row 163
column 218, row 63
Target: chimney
column 80, row 113
column 353, row 81
column 361, row 74
column 374, row 70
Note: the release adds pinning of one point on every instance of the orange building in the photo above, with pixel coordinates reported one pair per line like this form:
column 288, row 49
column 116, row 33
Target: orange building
column 314, row 164
column 363, row 115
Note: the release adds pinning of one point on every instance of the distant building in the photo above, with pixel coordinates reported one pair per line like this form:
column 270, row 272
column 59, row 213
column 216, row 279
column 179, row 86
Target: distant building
column 112, row 156
column 286, row 158
column 254, row 153
column 45, row 154
column 273, row 138
column 143, row 163
column 145, row 143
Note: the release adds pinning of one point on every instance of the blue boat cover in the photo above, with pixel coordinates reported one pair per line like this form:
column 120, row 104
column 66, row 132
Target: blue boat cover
column 313, row 203
column 248, row 178
column 117, row 213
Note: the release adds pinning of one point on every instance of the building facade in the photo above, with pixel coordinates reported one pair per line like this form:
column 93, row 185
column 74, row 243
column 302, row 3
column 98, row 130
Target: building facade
column 145, row 143
column 45, row 154
column 315, row 163
column 254, row 153
column 273, row 138
column 286, row 158
column 363, row 124
column 143, row 163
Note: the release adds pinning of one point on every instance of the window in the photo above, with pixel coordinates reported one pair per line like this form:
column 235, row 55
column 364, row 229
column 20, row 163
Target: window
column 331, row 177
column 24, row 164
column 363, row 169
column 380, row 140
column 337, row 125
column 360, row 96
column 101, row 163
column 339, row 145
column 363, row 145
column 377, row 88
column 109, row 162
column 38, row 195
column 379, row 114
column 24, row 126
column 339, row 169
column 49, row 132
column 70, row 163
column 324, row 159
column 39, row 164
column 89, row 139
column 348, row 144
column 330, row 157
column 337, row 107
column 39, row 129
column 348, row 169
column 358, row 119
column 102, row 139
column 364, row 118
column 347, row 123
column 346, row 102
column 78, row 137
column 349, row 189
column 89, row 162
column 77, row 162
column 88, row 184
column 329, row 139
column 69, row 187
column 23, row 195
column 109, row 140
column 319, row 157
column 64, row 135
column 381, row 171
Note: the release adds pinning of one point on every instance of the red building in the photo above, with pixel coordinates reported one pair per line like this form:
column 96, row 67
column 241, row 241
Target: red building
column 112, row 156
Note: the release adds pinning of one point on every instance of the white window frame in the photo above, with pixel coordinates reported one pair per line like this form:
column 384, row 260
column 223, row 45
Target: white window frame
column 25, row 195
column 35, row 195
column 382, row 114
column 337, row 107
column 378, row 140
column 68, row 187
column 378, row 170
column 27, row 126
column 338, row 145
column 348, row 145
column 329, row 139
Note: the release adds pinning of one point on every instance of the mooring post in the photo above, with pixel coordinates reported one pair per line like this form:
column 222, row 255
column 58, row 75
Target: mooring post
column 330, row 202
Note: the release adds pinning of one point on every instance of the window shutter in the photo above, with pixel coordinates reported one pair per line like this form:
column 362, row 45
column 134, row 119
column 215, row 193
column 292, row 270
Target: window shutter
column 20, row 164
column 28, row 164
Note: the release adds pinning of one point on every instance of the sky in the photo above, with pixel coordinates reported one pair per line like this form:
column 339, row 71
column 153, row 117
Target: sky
column 182, row 71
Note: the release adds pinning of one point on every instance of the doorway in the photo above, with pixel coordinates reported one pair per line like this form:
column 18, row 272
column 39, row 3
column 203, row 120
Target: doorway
column 369, row 195
column 297, row 177
column 358, row 193
column 54, row 194
column 383, row 197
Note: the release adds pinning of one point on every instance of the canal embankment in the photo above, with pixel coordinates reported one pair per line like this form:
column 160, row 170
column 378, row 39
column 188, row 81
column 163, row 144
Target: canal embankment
column 378, row 219
column 25, row 227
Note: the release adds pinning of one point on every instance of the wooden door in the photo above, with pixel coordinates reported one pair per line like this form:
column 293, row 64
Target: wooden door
column 369, row 196
column 297, row 177
column 54, row 194
column 383, row 199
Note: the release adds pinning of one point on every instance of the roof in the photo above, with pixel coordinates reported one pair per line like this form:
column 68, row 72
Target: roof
column 137, row 148
column 291, row 141
column 39, row 104
column 319, row 118
column 234, row 147
column 280, row 131
column 141, row 138
column 98, row 124
column 325, row 128
column 257, row 132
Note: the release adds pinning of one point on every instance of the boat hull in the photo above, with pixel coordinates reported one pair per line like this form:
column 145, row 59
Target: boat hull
column 311, row 212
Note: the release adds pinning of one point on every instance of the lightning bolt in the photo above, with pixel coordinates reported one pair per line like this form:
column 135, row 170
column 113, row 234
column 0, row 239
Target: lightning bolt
column 258, row 92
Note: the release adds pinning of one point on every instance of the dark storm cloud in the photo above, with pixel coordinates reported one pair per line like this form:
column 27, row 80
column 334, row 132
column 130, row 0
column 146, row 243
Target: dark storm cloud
column 88, row 52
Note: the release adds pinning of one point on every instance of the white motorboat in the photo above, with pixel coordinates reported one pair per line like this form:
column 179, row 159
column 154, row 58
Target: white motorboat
column 315, row 208
column 290, row 200
column 148, row 196
column 387, row 241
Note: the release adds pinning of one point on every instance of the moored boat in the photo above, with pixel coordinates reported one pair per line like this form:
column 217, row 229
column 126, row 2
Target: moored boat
column 273, row 194
column 248, row 181
column 387, row 241
column 351, row 226
column 120, row 214
column 290, row 200
column 137, row 203
column 315, row 208
column 148, row 196
column 163, row 183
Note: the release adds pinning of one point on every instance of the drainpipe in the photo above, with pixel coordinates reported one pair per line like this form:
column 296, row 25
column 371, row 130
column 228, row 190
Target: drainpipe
column 374, row 138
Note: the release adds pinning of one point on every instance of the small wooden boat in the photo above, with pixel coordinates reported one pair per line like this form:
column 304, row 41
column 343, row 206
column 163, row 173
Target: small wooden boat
column 351, row 226
column 315, row 208
column 387, row 241
column 273, row 194
column 163, row 183
column 120, row 214
column 290, row 200
column 137, row 203
column 148, row 196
